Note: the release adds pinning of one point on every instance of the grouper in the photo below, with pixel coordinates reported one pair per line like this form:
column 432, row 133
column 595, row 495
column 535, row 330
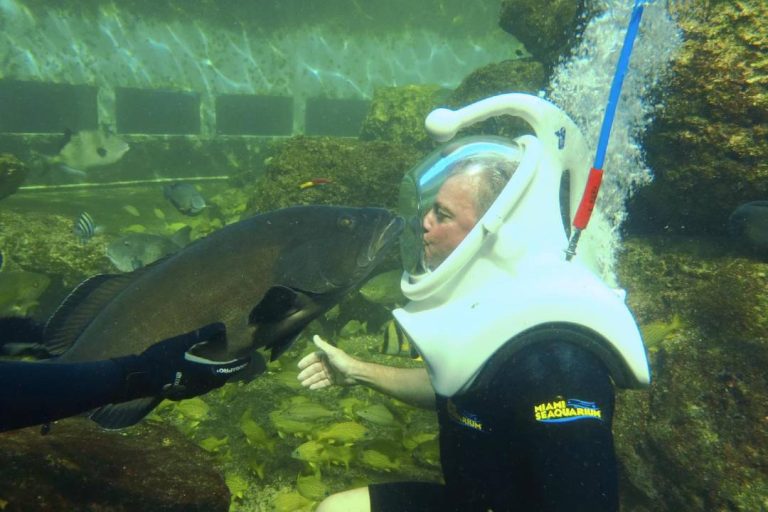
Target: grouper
column 265, row 278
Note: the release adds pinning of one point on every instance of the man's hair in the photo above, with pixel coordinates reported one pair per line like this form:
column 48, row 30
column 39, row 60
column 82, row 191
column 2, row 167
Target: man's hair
column 494, row 171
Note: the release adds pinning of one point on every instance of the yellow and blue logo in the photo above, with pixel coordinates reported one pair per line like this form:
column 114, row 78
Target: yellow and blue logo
column 464, row 418
column 562, row 411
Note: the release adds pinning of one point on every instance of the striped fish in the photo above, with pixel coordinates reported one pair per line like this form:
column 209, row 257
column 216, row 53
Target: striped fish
column 84, row 228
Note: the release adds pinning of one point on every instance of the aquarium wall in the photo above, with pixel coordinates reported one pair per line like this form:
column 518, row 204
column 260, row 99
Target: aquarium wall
column 230, row 67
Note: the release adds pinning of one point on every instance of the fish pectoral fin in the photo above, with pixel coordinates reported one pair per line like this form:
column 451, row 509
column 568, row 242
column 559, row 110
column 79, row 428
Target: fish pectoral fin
column 281, row 346
column 117, row 416
column 257, row 366
column 278, row 303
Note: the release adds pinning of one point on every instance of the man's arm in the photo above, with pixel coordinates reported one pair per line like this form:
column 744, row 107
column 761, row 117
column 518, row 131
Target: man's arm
column 330, row 365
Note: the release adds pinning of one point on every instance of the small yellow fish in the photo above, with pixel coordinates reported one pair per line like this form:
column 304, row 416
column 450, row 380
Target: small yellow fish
column 344, row 432
column 411, row 441
column 287, row 378
column 292, row 502
column 654, row 333
column 193, row 408
column 311, row 451
column 131, row 210
column 378, row 414
column 428, row 453
column 339, row 455
column 135, row 228
column 308, row 411
column 213, row 444
column 255, row 464
column 314, row 182
column 376, row 460
column 311, row 487
column 351, row 404
column 353, row 328
column 237, row 485
column 254, row 433
column 285, row 425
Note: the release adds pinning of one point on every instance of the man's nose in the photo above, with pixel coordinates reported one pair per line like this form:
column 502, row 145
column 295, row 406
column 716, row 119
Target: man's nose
column 428, row 221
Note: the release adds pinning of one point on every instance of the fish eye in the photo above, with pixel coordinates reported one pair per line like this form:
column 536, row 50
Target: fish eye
column 102, row 152
column 346, row 222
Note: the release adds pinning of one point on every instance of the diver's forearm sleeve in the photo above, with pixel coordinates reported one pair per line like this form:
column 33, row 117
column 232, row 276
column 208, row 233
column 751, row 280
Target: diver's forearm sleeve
column 35, row 393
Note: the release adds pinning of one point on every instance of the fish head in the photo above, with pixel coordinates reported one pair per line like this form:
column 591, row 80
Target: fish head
column 111, row 147
column 196, row 204
column 333, row 249
column 136, row 250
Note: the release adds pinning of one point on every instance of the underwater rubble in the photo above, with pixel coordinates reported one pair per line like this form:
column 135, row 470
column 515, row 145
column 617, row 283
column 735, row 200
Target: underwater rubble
column 79, row 466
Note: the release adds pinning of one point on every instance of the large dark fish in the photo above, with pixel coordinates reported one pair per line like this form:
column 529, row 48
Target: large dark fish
column 265, row 277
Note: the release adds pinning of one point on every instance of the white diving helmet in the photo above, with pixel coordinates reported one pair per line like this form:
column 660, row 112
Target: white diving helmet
column 509, row 274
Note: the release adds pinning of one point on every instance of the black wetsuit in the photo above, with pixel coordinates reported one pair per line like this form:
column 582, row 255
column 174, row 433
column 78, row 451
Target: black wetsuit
column 34, row 393
column 38, row 392
column 532, row 433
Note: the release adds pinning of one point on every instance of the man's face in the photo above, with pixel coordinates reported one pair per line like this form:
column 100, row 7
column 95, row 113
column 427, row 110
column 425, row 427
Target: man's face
column 451, row 217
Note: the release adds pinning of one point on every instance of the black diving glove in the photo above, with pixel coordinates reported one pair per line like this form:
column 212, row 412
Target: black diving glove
column 168, row 368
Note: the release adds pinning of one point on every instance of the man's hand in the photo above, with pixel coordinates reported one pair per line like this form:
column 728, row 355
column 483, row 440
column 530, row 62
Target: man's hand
column 326, row 366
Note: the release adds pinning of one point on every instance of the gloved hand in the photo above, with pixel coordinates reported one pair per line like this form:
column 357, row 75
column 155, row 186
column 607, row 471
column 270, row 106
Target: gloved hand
column 169, row 369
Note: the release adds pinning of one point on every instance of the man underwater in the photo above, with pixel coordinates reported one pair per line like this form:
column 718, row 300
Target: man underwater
column 521, row 346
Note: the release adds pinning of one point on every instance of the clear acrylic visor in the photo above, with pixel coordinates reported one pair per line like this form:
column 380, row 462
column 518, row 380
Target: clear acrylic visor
column 421, row 185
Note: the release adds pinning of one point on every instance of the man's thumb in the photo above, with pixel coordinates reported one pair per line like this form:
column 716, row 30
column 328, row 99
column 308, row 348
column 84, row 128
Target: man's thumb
column 322, row 344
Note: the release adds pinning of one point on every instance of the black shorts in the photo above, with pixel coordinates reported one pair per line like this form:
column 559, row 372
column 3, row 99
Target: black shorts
column 408, row 497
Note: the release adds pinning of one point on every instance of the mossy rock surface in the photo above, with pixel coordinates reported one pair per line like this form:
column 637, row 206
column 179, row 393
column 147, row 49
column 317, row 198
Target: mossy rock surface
column 397, row 114
column 357, row 173
column 547, row 29
column 520, row 75
column 13, row 172
column 79, row 466
column 698, row 438
column 709, row 144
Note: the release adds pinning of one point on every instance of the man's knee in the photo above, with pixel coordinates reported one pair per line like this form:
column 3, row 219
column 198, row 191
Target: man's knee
column 353, row 500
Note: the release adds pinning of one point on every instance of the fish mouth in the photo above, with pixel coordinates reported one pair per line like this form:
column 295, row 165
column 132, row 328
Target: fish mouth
column 386, row 238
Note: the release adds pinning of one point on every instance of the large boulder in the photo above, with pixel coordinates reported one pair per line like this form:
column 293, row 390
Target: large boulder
column 697, row 439
column 397, row 114
column 547, row 29
column 79, row 466
column 520, row 75
column 709, row 145
column 330, row 171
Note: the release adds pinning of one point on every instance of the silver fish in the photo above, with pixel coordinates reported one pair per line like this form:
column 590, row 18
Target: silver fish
column 88, row 149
